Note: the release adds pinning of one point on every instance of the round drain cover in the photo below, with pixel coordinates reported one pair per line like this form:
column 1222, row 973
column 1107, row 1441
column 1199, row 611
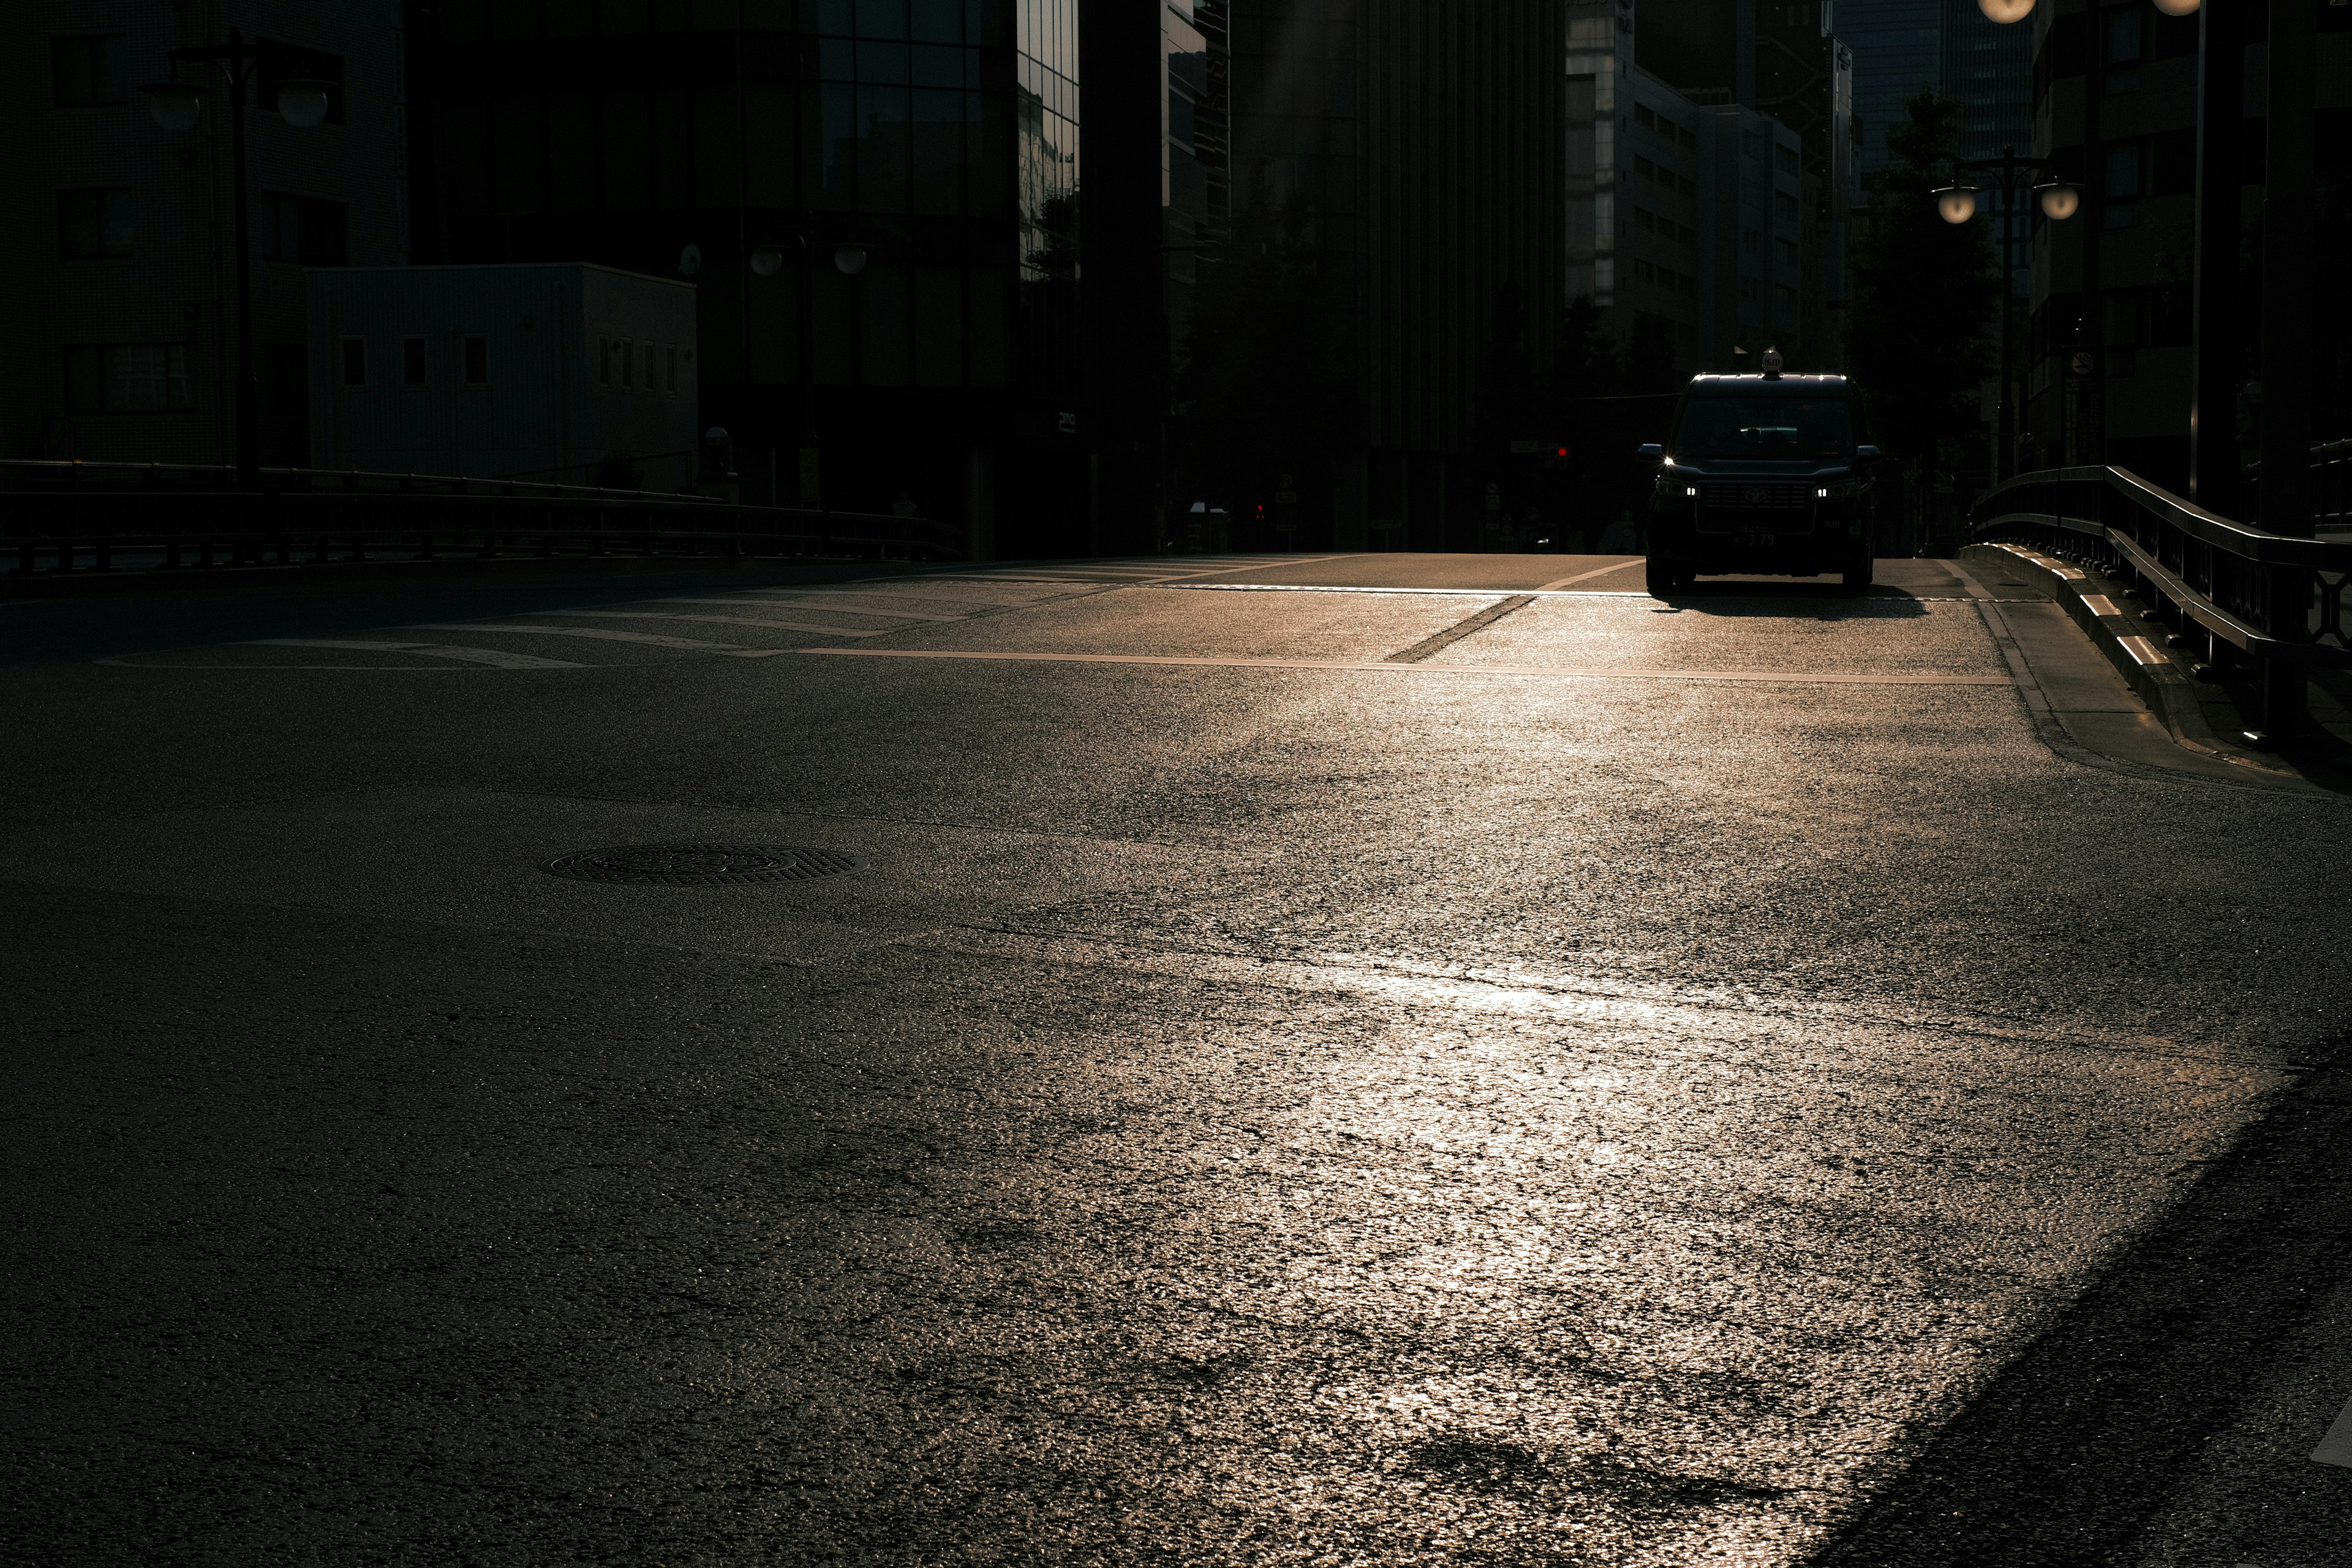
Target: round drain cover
column 679, row 865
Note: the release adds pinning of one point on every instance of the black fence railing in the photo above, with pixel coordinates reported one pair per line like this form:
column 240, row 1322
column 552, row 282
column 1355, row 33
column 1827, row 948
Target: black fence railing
column 2236, row 591
column 70, row 516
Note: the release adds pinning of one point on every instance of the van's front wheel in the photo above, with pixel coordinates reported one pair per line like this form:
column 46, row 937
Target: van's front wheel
column 1857, row 575
column 1664, row 577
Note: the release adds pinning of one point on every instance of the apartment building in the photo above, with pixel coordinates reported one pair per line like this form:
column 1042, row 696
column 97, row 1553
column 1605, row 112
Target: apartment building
column 119, row 242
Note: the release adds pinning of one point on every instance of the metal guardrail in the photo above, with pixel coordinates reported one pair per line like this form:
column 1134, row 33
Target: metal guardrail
column 2273, row 598
column 51, row 475
column 77, row 517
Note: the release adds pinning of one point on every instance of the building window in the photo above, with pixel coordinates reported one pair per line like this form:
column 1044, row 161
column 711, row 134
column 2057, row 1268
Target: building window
column 93, row 224
column 1643, row 118
column 1787, row 158
column 127, row 378
column 301, row 229
column 412, row 361
column 2125, row 162
column 478, row 362
column 1687, row 137
column 354, row 361
column 1788, row 252
column 88, row 70
column 1784, row 206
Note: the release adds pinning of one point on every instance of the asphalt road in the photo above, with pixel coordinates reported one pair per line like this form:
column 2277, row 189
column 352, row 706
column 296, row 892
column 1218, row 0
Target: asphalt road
column 1375, row 1060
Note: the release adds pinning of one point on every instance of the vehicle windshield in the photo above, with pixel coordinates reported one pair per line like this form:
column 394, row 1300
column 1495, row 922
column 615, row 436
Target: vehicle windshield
column 1780, row 429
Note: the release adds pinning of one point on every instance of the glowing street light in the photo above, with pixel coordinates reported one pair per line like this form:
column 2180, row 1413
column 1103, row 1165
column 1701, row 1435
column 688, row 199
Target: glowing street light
column 2060, row 201
column 1957, row 203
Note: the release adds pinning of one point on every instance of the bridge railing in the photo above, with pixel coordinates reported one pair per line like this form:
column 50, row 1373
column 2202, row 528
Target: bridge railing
column 2237, row 591
column 68, row 517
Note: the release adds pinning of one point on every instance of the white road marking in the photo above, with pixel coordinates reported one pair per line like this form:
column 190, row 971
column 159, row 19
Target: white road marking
column 725, row 620
column 496, row 657
column 2335, row 1448
column 1598, row 572
column 1583, row 673
column 599, row 632
column 826, row 603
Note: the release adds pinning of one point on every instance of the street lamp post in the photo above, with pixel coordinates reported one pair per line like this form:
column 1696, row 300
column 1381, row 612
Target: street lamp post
column 175, row 105
column 1957, row 203
column 849, row 259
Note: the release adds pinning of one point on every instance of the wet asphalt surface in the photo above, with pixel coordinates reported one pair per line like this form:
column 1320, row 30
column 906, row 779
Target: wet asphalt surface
column 1631, row 1083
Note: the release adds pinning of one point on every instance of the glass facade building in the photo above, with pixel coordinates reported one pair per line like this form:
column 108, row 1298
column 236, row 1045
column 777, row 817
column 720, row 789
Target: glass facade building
column 935, row 139
column 1897, row 51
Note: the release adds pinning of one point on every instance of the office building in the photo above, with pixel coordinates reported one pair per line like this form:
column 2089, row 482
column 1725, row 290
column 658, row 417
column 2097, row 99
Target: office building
column 1786, row 63
column 876, row 201
column 120, row 243
column 1685, row 210
column 2108, row 362
column 1156, row 209
column 1415, row 154
column 1897, row 47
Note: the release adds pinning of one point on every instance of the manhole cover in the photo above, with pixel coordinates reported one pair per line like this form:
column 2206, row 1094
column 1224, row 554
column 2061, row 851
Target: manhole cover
column 682, row 864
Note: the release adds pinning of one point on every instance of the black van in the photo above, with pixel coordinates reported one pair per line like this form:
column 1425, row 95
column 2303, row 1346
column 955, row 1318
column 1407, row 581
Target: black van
column 1765, row 474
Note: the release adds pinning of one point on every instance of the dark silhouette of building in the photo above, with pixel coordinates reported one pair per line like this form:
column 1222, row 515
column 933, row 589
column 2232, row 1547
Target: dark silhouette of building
column 1409, row 157
column 875, row 199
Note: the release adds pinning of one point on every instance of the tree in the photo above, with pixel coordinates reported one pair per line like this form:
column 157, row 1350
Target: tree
column 1924, row 290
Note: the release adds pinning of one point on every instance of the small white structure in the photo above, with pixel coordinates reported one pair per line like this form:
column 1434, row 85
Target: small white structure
column 560, row 371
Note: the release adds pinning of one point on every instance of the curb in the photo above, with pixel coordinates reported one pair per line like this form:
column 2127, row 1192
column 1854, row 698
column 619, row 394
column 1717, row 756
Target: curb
column 2156, row 676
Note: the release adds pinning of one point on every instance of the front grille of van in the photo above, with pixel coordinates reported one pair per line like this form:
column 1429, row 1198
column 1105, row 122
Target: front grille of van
column 1754, row 496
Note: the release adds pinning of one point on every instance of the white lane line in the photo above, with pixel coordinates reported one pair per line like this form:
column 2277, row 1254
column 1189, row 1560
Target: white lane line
column 1598, row 572
column 2335, row 1448
column 1566, row 673
column 601, row 633
column 821, row 604
column 496, row 658
column 726, row 620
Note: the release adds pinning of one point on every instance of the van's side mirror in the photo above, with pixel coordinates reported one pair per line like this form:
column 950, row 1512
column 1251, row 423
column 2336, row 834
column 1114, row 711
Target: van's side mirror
column 1653, row 450
column 1866, row 453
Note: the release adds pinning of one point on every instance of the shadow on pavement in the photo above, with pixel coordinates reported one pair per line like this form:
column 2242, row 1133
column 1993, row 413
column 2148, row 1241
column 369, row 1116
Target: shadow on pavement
column 1822, row 599
column 2079, row 1445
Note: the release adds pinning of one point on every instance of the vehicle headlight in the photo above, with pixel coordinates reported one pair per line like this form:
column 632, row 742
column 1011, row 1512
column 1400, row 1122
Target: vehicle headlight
column 1837, row 489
